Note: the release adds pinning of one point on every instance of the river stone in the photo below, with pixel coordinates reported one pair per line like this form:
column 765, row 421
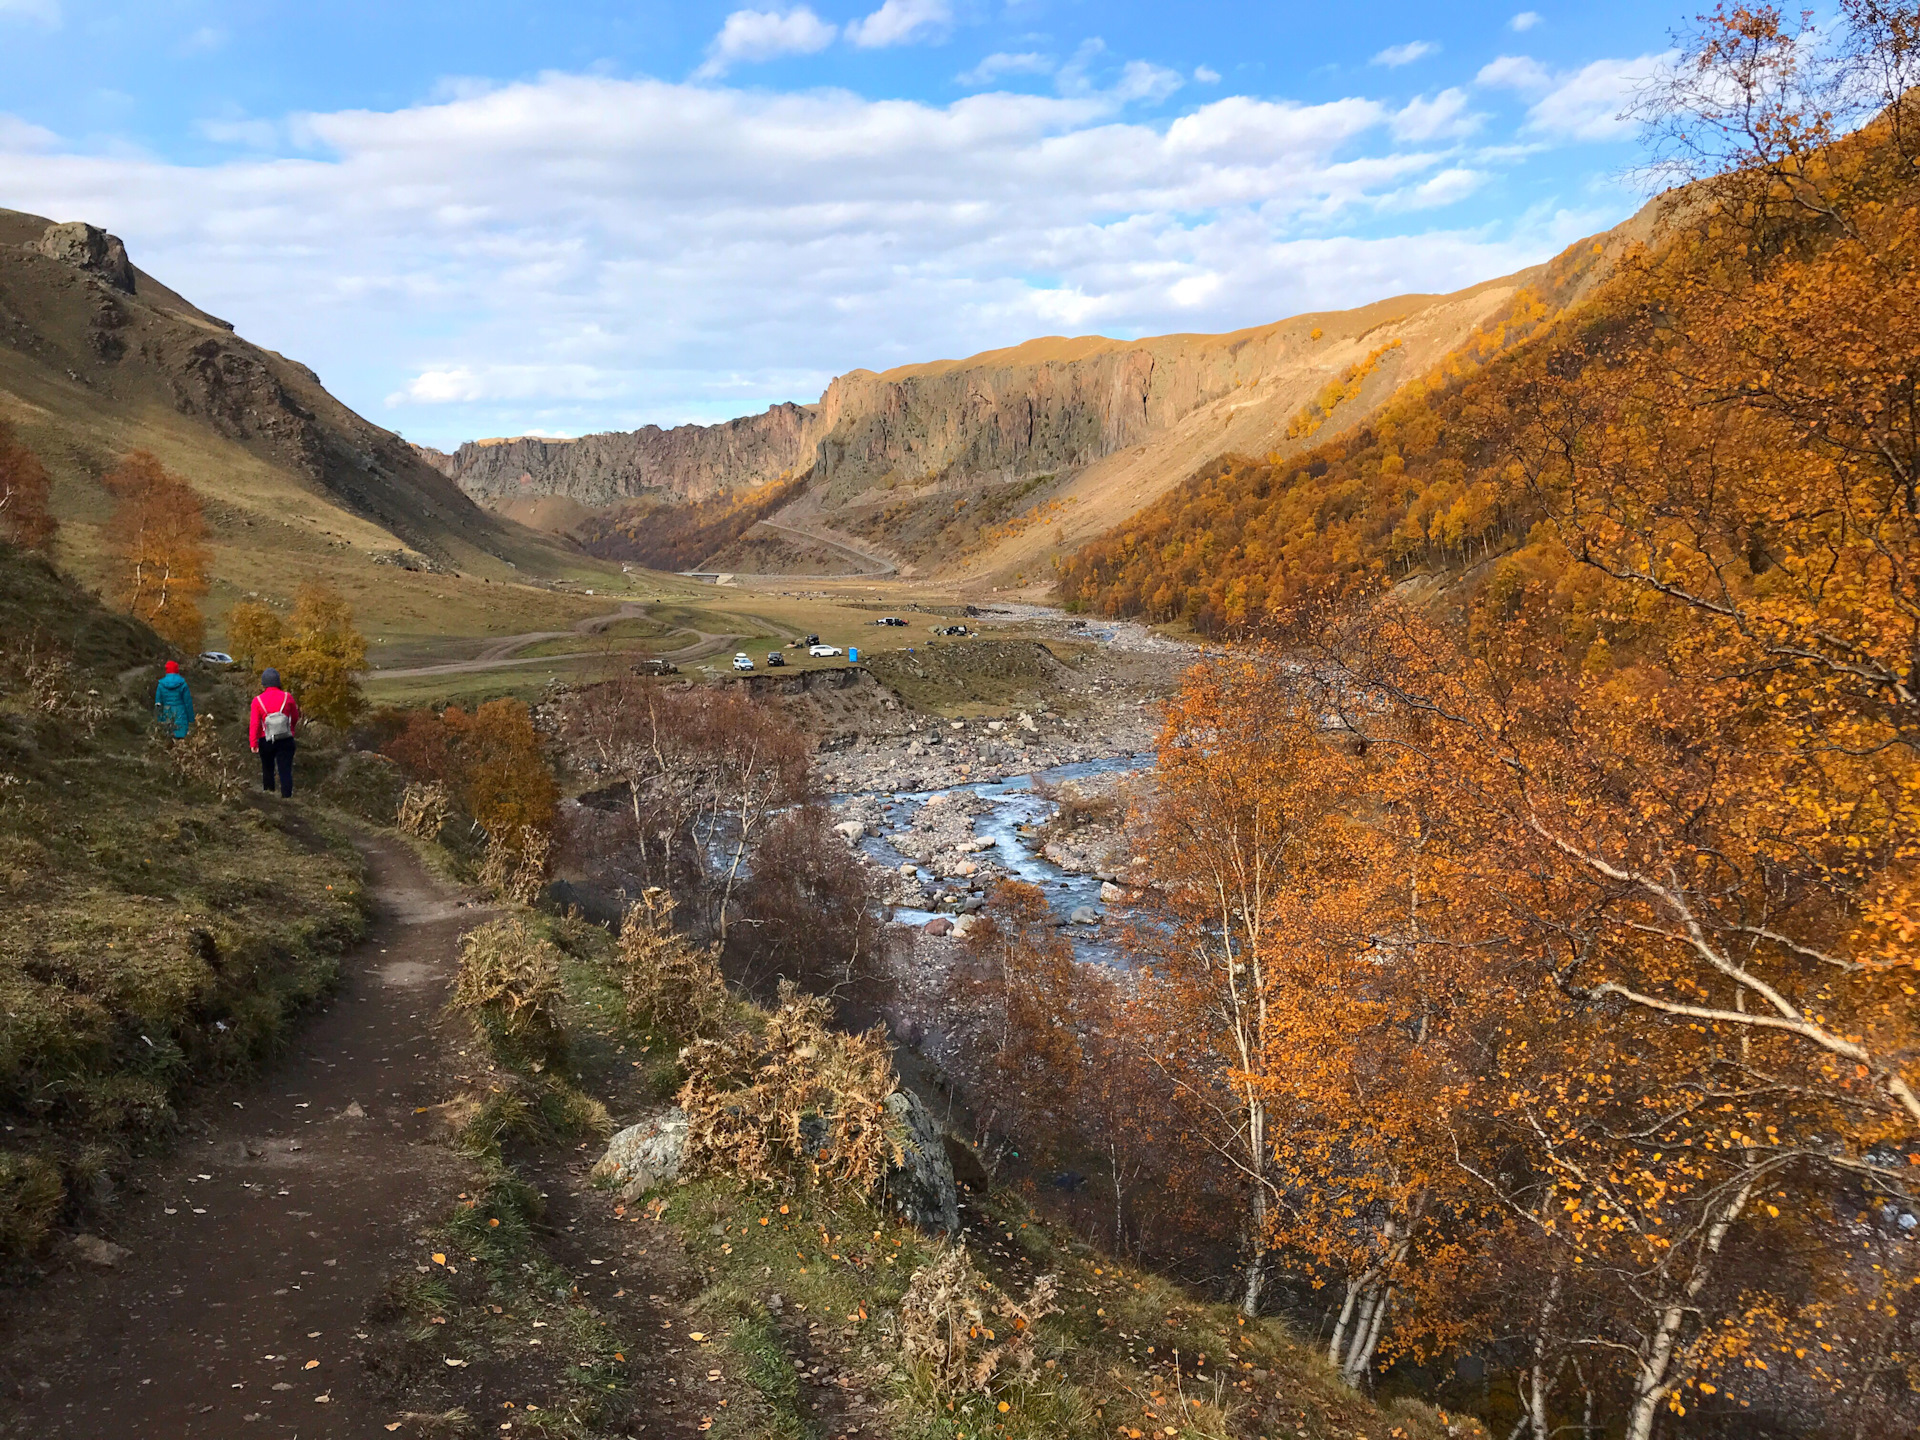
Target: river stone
column 966, row 925
column 939, row 925
column 1085, row 915
column 850, row 830
column 644, row 1155
column 921, row 1188
column 1111, row 894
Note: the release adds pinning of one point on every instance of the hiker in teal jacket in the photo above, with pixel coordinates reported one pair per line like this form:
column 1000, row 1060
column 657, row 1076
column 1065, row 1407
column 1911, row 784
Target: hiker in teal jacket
column 173, row 702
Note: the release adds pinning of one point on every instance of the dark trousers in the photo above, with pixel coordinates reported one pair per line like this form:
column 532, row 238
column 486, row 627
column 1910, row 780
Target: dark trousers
column 277, row 755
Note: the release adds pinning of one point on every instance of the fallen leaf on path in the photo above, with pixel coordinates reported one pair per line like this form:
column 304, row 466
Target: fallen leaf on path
column 439, row 1258
column 311, row 1365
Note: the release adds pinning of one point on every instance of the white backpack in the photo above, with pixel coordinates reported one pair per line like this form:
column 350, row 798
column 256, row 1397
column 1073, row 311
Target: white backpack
column 277, row 724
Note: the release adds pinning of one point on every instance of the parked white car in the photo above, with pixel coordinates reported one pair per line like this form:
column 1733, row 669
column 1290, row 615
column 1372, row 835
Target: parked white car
column 824, row 650
column 742, row 662
column 219, row 659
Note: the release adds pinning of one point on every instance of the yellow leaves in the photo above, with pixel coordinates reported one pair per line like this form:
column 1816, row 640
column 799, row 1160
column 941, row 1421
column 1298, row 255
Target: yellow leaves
column 439, row 1257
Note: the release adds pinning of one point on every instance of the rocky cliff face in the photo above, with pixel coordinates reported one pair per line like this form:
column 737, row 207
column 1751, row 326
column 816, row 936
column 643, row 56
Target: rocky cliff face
column 688, row 462
column 982, row 467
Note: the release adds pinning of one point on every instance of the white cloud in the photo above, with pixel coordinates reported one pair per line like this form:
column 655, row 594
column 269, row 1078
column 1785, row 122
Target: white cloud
column 21, row 135
column 1395, row 56
column 991, row 69
column 902, row 22
column 1584, row 104
column 580, row 252
column 1514, row 72
column 1206, row 75
column 1444, row 117
column 252, row 134
column 1524, row 21
column 1142, row 81
column 751, row 36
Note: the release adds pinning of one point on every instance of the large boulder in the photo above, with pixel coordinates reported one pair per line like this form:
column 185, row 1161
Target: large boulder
column 87, row 247
column 921, row 1187
column 1111, row 894
column 1085, row 915
column 850, row 831
column 939, row 925
column 644, row 1155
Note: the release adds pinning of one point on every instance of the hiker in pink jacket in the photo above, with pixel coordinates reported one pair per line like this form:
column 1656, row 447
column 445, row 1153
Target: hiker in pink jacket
column 270, row 731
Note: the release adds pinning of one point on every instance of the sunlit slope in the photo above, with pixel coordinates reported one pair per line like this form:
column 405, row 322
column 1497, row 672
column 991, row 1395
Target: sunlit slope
column 296, row 485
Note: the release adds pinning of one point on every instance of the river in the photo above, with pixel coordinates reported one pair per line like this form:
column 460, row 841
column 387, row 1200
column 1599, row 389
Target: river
column 1014, row 804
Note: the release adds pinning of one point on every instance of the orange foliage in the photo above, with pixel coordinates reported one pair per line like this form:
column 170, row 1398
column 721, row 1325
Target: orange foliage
column 158, row 535
column 25, row 517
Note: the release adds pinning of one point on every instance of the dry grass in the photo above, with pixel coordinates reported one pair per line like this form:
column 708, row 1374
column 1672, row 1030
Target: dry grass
column 424, row 810
column 672, row 987
column 515, row 867
column 793, row 1100
column 965, row 1329
column 205, row 758
column 509, row 981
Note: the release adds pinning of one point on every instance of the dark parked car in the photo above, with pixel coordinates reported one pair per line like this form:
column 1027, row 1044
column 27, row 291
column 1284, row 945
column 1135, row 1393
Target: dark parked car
column 774, row 657
column 810, row 640
column 951, row 630
column 656, row 667
column 890, row 620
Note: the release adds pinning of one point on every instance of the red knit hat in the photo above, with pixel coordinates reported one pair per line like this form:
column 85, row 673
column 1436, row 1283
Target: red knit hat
column 173, row 667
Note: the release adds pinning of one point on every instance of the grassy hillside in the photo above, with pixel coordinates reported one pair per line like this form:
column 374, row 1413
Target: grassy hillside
column 296, row 486
column 157, row 932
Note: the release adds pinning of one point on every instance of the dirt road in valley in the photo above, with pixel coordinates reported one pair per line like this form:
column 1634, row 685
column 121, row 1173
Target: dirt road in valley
column 502, row 654
column 258, row 1245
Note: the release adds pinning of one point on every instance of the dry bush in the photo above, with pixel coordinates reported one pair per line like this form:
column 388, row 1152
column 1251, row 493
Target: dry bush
column 55, row 686
column 792, row 1101
column 30, row 1196
column 966, row 1330
column 201, row 758
column 424, row 809
column 510, row 979
column 671, row 985
column 516, row 864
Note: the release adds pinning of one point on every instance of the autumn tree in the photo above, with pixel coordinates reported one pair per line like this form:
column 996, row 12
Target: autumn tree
column 158, row 537
column 317, row 650
column 25, row 517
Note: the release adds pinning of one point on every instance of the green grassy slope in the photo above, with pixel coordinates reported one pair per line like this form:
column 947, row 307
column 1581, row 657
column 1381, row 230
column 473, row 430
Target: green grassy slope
column 154, row 934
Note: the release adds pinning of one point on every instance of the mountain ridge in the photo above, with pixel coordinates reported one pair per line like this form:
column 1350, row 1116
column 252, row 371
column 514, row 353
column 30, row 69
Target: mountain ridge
column 984, row 468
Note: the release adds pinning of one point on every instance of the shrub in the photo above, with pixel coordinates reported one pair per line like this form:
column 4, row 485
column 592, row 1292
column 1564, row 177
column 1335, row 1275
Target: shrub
column 30, row 1195
column 201, row 757
column 670, row 985
column 510, row 980
column 794, row 1100
column 963, row 1328
column 516, row 865
column 424, row 809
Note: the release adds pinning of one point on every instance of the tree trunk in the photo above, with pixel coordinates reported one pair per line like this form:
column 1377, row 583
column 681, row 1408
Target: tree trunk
column 1656, row 1377
column 1256, row 1257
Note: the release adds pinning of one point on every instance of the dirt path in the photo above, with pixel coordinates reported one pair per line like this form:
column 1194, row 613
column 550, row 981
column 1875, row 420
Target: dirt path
column 500, row 654
column 259, row 1243
column 876, row 564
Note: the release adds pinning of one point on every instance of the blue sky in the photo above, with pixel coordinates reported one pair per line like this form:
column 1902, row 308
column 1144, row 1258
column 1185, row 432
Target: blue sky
column 496, row 217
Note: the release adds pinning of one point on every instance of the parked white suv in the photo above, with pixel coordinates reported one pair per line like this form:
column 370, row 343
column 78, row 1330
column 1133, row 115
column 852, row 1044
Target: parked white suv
column 742, row 661
column 824, row 650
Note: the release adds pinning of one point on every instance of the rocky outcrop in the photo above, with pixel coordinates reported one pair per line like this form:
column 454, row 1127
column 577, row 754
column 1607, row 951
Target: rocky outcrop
column 87, row 247
column 644, row 1155
column 921, row 1187
column 688, row 462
